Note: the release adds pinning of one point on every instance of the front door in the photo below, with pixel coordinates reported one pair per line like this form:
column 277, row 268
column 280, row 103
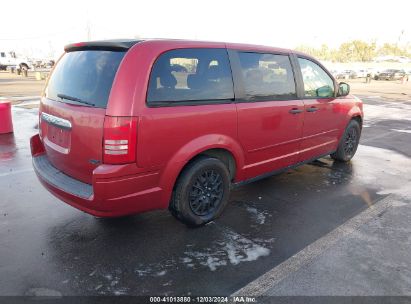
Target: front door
column 322, row 116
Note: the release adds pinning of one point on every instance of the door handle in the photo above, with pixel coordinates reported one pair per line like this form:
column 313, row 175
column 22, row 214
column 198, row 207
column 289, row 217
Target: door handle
column 312, row 109
column 295, row 111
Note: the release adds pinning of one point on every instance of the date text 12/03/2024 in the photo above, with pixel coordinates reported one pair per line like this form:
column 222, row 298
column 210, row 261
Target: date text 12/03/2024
column 188, row 299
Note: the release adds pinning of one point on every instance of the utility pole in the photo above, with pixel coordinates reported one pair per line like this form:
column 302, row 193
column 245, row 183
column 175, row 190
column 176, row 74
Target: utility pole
column 399, row 38
column 88, row 25
column 88, row 29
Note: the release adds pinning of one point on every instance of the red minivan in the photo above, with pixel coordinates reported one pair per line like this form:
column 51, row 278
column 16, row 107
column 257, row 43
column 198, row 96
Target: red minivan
column 128, row 126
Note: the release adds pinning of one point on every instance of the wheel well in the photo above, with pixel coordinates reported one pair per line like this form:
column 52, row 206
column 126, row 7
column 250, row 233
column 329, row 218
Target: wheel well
column 223, row 155
column 358, row 119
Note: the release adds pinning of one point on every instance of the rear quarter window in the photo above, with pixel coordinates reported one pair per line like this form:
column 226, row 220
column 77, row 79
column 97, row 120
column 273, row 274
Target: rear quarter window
column 85, row 75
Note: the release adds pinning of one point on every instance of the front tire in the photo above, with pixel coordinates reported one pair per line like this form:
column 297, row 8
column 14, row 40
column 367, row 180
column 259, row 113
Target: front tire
column 201, row 192
column 348, row 143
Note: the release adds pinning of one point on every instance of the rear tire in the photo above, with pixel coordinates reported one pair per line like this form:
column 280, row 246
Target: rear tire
column 348, row 143
column 201, row 192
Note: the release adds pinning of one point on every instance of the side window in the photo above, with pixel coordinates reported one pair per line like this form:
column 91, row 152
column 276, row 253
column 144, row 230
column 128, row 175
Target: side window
column 2, row 54
column 317, row 83
column 267, row 76
column 191, row 75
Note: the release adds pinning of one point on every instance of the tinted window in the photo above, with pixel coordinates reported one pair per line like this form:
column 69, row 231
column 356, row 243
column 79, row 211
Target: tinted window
column 267, row 76
column 191, row 75
column 85, row 75
column 317, row 83
column 2, row 54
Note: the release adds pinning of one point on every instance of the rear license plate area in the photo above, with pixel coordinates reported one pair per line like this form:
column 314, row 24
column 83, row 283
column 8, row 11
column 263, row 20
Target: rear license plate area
column 58, row 136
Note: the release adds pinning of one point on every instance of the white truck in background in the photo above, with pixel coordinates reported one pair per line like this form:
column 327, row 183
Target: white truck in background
column 9, row 59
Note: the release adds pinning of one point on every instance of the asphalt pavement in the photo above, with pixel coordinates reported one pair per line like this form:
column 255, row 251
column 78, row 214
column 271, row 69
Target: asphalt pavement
column 50, row 248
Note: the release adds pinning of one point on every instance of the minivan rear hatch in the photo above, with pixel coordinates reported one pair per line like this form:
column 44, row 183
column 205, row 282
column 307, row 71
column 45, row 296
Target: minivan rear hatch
column 73, row 108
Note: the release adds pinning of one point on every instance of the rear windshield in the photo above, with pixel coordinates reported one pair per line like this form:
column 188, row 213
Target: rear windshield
column 84, row 77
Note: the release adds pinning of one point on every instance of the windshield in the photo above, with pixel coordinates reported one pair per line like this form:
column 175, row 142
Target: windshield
column 84, row 77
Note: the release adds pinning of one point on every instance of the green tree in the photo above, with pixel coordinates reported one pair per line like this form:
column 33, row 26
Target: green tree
column 345, row 52
column 355, row 50
column 363, row 51
column 323, row 52
column 392, row 49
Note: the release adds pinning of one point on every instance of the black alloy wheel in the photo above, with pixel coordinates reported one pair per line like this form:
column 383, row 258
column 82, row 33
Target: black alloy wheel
column 201, row 191
column 348, row 143
column 206, row 193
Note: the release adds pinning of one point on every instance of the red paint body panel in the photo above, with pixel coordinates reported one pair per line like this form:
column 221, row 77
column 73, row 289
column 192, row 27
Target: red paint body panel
column 261, row 136
column 167, row 131
column 108, row 203
column 70, row 151
column 321, row 128
column 269, row 135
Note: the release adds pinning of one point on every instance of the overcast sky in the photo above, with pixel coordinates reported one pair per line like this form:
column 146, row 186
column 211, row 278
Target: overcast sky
column 45, row 26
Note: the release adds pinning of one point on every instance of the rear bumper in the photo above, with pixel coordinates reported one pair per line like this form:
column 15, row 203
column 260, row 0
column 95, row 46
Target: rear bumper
column 58, row 179
column 111, row 193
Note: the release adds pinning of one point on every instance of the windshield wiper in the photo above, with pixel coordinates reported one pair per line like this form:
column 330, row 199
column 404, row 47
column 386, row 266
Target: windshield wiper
column 68, row 97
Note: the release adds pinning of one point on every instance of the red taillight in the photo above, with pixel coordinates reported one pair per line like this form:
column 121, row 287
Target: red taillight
column 120, row 140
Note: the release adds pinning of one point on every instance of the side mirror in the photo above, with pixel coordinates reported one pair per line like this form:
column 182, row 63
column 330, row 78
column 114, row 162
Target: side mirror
column 325, row 91
column 343, row 89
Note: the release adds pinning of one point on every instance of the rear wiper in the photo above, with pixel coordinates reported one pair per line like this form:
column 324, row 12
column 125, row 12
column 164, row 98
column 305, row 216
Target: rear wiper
column 68, row 97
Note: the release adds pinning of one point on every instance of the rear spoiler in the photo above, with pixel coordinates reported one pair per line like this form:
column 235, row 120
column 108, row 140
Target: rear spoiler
column 103, row 45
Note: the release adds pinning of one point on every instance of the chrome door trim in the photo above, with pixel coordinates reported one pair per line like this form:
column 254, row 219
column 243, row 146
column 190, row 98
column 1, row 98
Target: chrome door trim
column 56, row 121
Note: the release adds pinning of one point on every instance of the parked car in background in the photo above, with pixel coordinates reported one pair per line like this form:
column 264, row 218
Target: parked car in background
column 391, row 74
column 48, row 64
column 36, row 63
column 116, row 140
column 334, row 73
column 42, row 63
column 9, row 59
column 374, row 72
column 353, row 74
column 361, row 73
column 345, row 74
